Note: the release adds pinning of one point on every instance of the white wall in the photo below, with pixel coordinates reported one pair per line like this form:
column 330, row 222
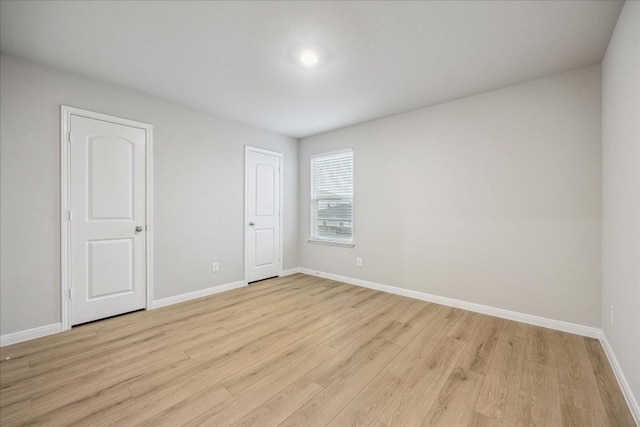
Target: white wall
column 493, row 199
column 621, row 193
column 199, row 189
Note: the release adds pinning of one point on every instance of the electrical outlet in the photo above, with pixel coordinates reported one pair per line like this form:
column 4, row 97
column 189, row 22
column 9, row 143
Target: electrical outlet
column 358, row 262
column 611, row 313
column 216, row 267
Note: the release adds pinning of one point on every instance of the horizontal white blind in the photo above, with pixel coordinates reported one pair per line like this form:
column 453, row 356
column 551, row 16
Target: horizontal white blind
column 332, row 197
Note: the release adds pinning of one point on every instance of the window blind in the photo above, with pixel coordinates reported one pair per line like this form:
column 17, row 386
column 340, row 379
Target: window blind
column 332, row 197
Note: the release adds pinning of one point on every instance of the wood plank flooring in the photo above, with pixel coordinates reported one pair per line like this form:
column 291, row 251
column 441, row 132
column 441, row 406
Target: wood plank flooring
column 305, row 351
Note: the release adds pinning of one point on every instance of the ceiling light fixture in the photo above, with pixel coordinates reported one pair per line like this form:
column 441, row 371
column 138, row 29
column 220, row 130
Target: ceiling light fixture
column 308, row 58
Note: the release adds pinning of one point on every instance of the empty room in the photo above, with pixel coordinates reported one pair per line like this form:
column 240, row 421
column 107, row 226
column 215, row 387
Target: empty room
column 320, row 213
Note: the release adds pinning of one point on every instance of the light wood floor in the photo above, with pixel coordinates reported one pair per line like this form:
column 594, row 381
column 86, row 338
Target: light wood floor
column 304, row 351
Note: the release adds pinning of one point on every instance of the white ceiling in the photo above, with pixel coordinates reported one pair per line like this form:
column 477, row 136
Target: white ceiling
column 237, row 59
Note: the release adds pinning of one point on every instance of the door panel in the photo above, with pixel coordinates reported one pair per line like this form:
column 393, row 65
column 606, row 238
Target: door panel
column 265, row 189
column 265, row 244
column 110, row 270
column 263, row 214
column 110, row 174
column 108, row 202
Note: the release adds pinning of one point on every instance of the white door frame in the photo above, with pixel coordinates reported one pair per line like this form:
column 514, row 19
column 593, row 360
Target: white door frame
column 65, row 183
column 247, row 149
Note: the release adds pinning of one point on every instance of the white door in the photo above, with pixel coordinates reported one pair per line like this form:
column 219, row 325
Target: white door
column 263, row 214
column 107, row 227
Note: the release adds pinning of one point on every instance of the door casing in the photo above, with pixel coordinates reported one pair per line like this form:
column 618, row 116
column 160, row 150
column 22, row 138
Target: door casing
column 65, row 183
column 246, row 211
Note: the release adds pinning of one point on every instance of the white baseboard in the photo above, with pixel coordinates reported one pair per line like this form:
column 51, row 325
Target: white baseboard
column 197, row 294
column 622, row 380
column 290, row 271
column 30, row 334
column 55, row 328
column 573, row 328
column 559, row 325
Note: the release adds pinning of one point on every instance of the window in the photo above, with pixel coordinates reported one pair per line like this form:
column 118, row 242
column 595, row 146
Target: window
column 332, row 198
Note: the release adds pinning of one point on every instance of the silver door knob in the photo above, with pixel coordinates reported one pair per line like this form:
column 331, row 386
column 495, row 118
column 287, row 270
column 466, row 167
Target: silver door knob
column 139, row 229
column 251, row 224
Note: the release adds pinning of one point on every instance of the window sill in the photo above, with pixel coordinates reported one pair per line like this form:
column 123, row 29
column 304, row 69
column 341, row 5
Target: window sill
column 332, row 243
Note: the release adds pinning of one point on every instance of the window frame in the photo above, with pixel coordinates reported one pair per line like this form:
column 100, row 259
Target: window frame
column 312, row 225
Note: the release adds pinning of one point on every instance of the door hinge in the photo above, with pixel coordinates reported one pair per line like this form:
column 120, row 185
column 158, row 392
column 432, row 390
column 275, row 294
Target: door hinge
column 69, row 293
column 69, row 216
column 69, row 137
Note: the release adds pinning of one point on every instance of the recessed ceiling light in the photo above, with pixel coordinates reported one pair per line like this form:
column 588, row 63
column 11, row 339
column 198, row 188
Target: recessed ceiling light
column 308, row 58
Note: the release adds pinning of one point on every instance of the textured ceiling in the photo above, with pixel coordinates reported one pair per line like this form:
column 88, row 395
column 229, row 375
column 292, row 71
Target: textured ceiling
column 237, row 59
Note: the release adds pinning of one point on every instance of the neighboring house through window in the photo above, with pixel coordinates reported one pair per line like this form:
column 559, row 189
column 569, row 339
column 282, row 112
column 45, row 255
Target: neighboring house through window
column 332, row 198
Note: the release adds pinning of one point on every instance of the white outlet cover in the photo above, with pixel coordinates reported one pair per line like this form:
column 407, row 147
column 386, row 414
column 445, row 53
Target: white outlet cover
column 611, row 313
